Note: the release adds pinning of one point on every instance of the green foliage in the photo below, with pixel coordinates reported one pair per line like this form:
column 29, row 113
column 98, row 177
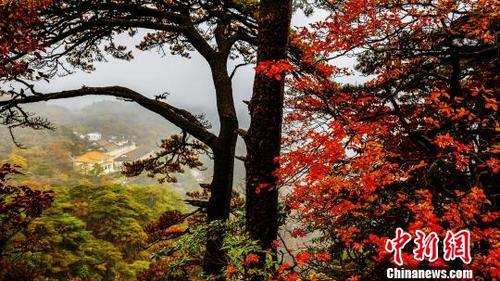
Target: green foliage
column 180, row 257
column 244, row 254
column 50, row 164
column 94, row 232
column 95, row 228
column 67, row 249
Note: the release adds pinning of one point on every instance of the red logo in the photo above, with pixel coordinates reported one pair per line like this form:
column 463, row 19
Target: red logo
column 455, row 245
column 427, row 246
column 397, row 244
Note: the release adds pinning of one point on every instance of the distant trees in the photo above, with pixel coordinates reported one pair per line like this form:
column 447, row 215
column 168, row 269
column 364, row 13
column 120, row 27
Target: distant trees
column 47, row 163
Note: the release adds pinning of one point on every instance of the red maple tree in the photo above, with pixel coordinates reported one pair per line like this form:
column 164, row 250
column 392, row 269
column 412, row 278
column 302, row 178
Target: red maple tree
column 18, row 41
column 415, row 146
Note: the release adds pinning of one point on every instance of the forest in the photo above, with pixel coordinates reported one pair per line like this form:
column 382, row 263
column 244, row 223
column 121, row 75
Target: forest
column 93, row 226
column 338, row 140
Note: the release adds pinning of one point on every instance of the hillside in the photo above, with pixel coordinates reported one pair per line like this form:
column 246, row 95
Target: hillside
column 110, row 118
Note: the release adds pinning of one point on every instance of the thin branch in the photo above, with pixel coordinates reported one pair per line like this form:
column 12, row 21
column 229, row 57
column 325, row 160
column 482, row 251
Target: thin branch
column 236, row 68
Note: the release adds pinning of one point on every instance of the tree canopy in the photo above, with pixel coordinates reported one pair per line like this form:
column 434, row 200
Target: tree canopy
column 413, row 147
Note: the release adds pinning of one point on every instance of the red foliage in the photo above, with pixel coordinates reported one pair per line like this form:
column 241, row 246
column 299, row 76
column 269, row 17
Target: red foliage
column 251, row 259
column 275, row 69
column 413, row 147
column 19, row 205
column 18, row 41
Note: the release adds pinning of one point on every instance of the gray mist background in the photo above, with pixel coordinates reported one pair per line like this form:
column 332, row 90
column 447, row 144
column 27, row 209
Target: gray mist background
column 188, row 81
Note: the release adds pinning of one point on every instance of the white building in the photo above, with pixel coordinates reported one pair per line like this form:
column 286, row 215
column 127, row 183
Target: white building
column 94, row 136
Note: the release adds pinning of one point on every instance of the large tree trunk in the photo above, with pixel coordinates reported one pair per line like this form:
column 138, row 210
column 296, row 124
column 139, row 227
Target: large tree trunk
column 264, row 135
column 222, row 183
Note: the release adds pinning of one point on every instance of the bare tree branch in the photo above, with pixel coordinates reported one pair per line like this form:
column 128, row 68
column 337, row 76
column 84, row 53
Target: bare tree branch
column 179, row 117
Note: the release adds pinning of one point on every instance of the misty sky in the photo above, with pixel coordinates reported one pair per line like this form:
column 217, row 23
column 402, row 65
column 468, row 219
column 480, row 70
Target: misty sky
column 188, row 81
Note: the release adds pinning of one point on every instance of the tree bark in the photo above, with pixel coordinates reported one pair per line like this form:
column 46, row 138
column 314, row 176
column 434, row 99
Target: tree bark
column 224, row 152
column 264, row 135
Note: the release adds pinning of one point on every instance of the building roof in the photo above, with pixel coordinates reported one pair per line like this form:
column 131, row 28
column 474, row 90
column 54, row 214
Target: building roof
column 106, row 145
column 111, row 146
column 92, row 157
column 135, row 154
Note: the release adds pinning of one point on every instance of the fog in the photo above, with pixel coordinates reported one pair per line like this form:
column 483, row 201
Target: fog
column 187, row 80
